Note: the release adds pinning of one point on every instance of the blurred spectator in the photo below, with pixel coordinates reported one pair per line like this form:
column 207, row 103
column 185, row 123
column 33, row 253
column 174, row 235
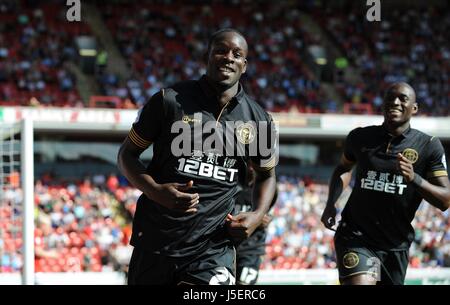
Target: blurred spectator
column 87, row 227
column 163, row 42
column 35, row 46
column 175, row 49
column 409, row 45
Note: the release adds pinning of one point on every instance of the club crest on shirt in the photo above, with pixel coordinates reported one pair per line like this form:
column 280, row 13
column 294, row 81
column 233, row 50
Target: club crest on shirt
column 245, row 133
column 350, row 260
column 411, row 155
column 186, row 119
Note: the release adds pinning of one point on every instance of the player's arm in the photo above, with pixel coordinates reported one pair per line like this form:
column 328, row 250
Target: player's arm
column 340, row 179
column 145, row 130
column 264, row 191
column 265, row 187
column 244, row 224
column 267, row 217
column 171, row 195
column 131, row 166
column 435, row 189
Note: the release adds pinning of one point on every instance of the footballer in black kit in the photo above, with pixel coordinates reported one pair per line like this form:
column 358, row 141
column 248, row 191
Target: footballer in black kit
column 180, row 234
column 249, row 251
column 373, row 238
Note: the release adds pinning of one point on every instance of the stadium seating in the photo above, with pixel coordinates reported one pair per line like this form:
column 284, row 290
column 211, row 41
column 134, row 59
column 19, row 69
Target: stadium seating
column 86, row 227
column 408, row 45
column 164, row 43
column 35, row 45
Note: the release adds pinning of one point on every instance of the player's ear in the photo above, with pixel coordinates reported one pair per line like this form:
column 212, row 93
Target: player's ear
column 245, row 66
column 415, row 108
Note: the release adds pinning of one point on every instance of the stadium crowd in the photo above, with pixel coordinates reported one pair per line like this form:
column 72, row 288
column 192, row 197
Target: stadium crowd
column 86, row 226
column 79, row 227
column 36, row 47
column 165, row 42
column 409, row 45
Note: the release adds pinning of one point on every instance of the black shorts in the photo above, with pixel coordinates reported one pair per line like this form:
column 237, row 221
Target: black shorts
column 247, row 268
column 213, row 267
column 354, row 257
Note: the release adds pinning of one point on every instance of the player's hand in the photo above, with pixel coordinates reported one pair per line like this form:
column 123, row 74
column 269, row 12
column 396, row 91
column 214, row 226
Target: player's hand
column 243, row 224
column 265, row 221
column 175, row 196
column 329, row 217
column 405, row 167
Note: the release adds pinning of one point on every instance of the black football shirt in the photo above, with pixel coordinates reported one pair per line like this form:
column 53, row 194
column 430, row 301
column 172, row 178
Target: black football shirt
column 382, row 204
column 171, row 120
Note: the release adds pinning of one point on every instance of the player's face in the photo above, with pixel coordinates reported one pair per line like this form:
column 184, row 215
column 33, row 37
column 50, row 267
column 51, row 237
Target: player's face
column 227, row 59
column 399, row 105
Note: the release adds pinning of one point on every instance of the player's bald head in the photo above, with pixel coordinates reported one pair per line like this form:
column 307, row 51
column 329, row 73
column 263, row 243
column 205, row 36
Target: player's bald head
column 405, row 88
column 220, row 33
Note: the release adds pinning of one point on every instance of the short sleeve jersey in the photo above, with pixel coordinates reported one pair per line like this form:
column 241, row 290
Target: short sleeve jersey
column 194, row 139
column 382, row 204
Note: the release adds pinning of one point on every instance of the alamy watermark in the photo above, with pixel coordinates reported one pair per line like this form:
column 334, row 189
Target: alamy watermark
column 374, row 12
column 257, row 140
column 74, row 11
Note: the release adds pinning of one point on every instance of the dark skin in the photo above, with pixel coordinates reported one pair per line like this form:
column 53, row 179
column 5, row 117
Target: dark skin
column 173, row 196
column 399, row 106
column 237, row 226
column 226, row 62
column 244, row 224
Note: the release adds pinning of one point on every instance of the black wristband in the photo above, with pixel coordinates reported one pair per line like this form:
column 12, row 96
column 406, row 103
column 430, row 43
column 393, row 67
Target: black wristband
column 417, row 180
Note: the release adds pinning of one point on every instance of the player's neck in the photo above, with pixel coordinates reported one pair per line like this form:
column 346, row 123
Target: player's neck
column 223, row 94
column 396, row 130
